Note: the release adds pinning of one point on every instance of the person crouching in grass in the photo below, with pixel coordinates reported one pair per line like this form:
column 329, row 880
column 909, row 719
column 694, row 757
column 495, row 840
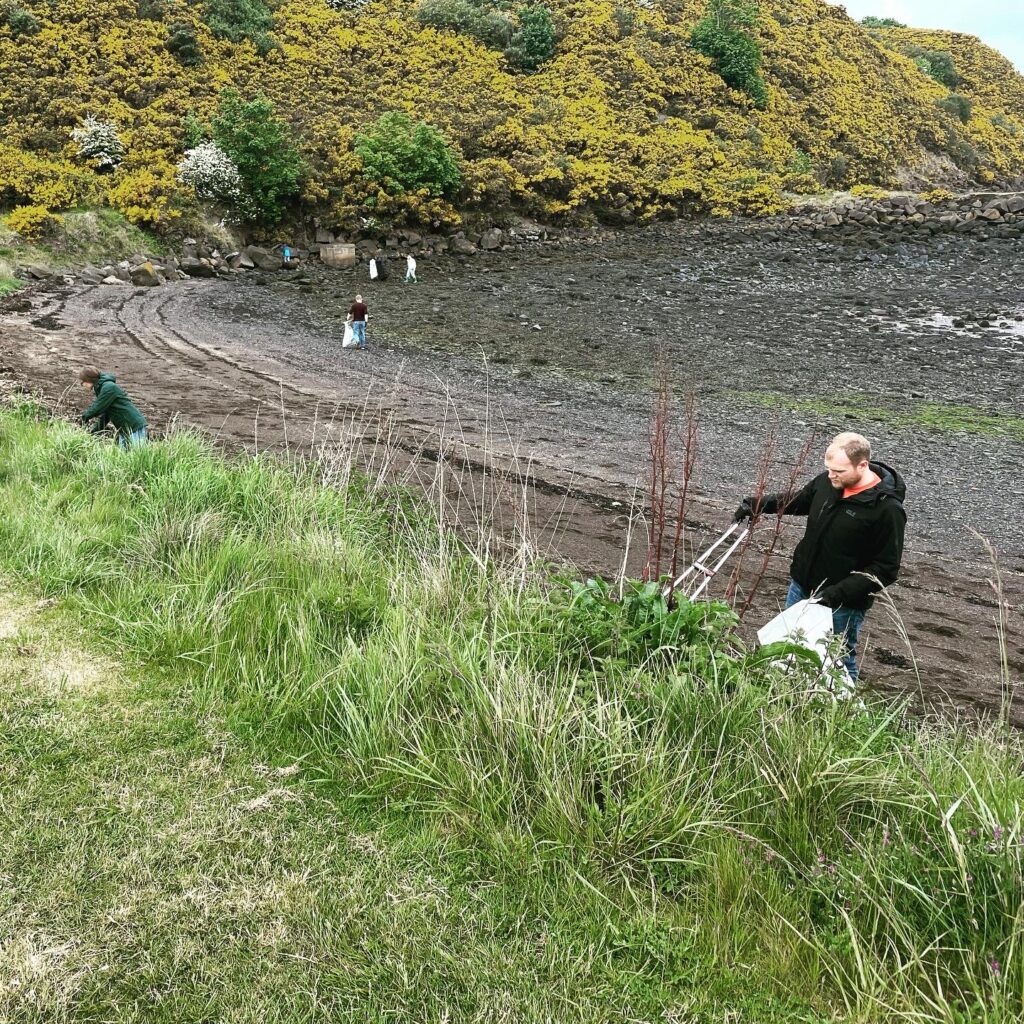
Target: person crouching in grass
column 112, row 408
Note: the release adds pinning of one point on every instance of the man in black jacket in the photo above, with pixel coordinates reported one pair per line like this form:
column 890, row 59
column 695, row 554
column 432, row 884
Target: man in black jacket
column 854, row 540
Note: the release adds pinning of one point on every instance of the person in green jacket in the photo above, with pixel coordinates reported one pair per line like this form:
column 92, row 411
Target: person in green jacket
column 112, row 408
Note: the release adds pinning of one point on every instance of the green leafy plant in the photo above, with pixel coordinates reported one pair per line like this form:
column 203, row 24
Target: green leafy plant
column 19, row 21
column 402, row 155
column 960, row 106
column 724, row 36
column 238, row 20
column 872, row 22
column 533, row 42
column 183, row 45
column 492, row 28
column 937, row 64
column 269, row 165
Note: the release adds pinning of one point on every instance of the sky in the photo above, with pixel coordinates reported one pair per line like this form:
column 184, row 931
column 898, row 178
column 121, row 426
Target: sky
column 999, row 23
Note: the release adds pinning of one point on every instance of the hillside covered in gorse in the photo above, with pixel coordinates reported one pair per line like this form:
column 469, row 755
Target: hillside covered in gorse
column 429, row 110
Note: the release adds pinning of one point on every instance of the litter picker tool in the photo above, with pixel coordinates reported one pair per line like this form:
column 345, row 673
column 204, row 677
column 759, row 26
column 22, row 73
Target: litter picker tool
column 701, row 572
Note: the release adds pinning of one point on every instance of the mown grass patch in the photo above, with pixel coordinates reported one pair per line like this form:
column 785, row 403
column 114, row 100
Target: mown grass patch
column 664, row 825
column 938, row 416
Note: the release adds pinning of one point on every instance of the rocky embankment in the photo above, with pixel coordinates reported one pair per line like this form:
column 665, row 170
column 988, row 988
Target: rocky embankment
column 869, row 221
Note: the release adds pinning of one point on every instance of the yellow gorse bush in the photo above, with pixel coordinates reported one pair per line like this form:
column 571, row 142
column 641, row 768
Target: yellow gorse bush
column 625, row 122
column 31, row 222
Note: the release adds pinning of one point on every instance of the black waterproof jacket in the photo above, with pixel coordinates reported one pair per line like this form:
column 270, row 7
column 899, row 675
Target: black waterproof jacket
column 112, row 407
column 852, row 545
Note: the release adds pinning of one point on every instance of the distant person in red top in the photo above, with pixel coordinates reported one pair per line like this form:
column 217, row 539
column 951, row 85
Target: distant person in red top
column 854, row 540
column 358, row 315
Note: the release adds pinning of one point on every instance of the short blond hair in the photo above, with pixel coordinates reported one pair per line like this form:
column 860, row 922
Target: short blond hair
column 856, row 446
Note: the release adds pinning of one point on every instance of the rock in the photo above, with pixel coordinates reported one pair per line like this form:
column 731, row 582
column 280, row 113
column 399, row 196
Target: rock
column 491, row 239
column 91, row 275
column 338, row 256
column 239, row 261
column 461, row 246
column 113, row 279
column 367, row 247
column 324, row 237
column 145, row 275
column 39, row 271
column 412, row 237
column 263, row 258
column 197, row 268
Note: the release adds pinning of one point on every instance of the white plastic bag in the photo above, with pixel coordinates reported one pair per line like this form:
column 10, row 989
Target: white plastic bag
column 809, row 624
column 806, row 623
column 373, row 270
column 349, row 341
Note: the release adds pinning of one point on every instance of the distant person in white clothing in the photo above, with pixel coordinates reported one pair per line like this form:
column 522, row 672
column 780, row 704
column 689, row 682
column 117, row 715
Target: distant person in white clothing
column 410, row 268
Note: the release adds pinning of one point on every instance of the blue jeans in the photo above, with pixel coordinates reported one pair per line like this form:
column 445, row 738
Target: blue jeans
column 132, row 439
column 359, row 333
column 846, row 622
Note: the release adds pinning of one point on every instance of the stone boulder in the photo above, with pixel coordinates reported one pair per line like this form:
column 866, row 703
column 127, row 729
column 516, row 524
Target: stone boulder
column 239, row 261
column 338, row 256
column 491, row 239
column 91, row 275
column 38, row 271
column 461, row 246
column 264, row 259
column 113, row 279
column 197, row 268
column 145, row 275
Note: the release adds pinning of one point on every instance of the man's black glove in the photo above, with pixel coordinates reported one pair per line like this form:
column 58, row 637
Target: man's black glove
column 745, row 510
column 828, row 597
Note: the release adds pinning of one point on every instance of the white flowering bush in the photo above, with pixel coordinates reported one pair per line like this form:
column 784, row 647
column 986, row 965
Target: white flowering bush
column 212, row 173
column 99, row 141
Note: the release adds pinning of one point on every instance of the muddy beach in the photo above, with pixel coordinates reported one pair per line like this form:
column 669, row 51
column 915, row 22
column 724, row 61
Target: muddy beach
column 541, row 364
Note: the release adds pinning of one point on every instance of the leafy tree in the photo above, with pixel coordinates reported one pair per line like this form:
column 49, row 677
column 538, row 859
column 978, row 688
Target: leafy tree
column 402, row 155
column 872, row 22
column 937, row 64
column 194, row 131
column 533, row 42
column 268, row 164
column 183, row 45
column 723, row 35
column 237, row 20
column 19, row 21
column 959, row 106
column 492, row 28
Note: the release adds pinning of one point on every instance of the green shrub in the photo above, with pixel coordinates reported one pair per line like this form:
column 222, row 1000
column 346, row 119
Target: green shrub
column 183, row 45
column 958, row 105
column 723, row 35
column 533, row 42
column 402, row 155
column 872, row 22
column 237, row 20
column 937, row 64
column 149, row 10
column 20, row 21
column 1003, row 122
column 267, row 161
column 492, row 28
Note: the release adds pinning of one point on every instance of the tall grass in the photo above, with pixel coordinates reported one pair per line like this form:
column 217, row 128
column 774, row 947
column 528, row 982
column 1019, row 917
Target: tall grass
column 861, row 861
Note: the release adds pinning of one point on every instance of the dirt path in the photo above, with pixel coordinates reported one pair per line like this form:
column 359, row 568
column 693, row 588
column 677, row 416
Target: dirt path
column 542, row 364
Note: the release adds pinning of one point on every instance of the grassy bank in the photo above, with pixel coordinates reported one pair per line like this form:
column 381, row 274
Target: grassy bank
column 623, row 815
column 81, row 237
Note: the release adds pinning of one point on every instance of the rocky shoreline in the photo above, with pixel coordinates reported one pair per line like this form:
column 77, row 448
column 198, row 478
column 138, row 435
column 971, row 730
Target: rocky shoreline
column 869, row 221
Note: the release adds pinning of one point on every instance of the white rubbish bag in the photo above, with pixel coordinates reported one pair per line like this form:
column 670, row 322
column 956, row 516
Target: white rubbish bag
column 373, row 270
column 809, row 624
column 349, row 341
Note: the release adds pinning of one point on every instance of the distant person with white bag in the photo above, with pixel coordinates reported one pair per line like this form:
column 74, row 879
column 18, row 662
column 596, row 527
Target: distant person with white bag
column 410, row 269
column 357, row 317
column 853, row 545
